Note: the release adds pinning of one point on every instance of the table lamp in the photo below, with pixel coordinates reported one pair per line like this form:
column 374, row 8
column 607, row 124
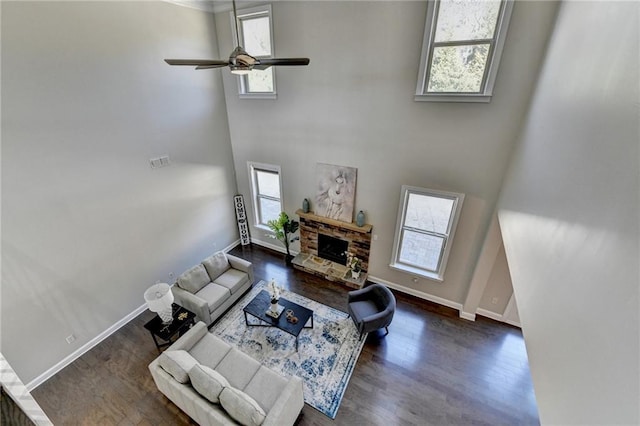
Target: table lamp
column 159, row 299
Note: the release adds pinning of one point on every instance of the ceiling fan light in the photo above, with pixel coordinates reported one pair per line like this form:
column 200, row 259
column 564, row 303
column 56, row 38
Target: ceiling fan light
column 240, row 71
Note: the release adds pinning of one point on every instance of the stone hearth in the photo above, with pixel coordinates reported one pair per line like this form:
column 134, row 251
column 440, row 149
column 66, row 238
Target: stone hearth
column 357, row 237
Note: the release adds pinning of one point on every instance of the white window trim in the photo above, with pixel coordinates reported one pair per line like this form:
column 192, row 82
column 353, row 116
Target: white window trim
column 493, row 60
column 402, row 210
column 253, row 166
column 242, row 80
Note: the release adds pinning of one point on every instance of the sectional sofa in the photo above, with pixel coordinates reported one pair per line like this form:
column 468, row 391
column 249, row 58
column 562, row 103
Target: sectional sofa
column 216, row 384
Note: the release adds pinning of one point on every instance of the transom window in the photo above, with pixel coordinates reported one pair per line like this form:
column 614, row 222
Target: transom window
column 426, row 224
column 256, row 36
column 266, row 190
column 461, row 49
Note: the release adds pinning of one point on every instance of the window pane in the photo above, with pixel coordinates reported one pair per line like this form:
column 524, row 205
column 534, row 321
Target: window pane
column 466, row 20
column 429, row 213
column 421, row 250
column 257, row 40
column 259, row 81
column 458, row 69
column 268, row 184
column 269, row 209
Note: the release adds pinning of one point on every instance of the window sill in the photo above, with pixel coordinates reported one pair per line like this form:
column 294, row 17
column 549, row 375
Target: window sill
column 258, row 96
column 417, row 272
column 263, row 227
column 432, row 97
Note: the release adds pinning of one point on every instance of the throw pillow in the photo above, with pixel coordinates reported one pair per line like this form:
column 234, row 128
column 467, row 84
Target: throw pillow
column 241, row 407
column 207, row 382
column 194, row 279
column 177, row 363
column 216, row 265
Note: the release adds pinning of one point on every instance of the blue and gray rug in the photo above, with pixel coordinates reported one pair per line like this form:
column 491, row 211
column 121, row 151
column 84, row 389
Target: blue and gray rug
column 326, row 356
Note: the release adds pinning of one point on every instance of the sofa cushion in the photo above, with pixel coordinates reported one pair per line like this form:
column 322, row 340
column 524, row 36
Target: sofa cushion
column 265, row 387
column 216, row 265
column 232, row 279
column 207, row 382
column 238, row 368
column 177, row 363
column 215, row 295
column 194, row 279
column 210, row 350
column 241, row 407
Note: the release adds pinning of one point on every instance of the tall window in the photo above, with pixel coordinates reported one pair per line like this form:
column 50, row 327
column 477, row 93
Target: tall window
column 256, row 36
column 426, row 224
column 461, row 50
column 266, row 190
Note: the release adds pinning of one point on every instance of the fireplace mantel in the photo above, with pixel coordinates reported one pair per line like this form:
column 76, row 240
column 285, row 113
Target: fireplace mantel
column 351, row 226
column 359, row 244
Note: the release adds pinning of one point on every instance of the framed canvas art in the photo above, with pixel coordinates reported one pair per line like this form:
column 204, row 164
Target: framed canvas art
column 336, row 191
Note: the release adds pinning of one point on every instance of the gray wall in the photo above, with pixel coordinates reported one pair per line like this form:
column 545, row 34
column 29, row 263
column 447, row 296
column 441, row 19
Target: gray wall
column 353, row 105
column 87, row 226
column 569, row 216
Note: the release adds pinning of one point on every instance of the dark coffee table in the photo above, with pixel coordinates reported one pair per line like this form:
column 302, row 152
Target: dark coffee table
column 258, row 307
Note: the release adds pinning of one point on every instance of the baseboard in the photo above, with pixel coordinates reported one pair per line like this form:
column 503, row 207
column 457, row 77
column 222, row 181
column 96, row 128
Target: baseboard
column 416, row 293
column 488, row 314
column 273, row 247
column 497, row 317
column 513, row 323
column 231, row 246
column 84, row 349
column 467, row 315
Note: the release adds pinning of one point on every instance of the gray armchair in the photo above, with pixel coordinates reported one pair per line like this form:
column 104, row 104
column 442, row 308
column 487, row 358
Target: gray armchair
column 371, row 308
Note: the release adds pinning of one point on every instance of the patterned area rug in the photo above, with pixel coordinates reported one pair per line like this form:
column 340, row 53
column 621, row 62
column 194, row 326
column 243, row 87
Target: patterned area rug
column 326, row 355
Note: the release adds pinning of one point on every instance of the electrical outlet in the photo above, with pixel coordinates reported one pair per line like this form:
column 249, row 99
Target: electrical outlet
column 494, row 301
column 375, row 237
column 70, row 339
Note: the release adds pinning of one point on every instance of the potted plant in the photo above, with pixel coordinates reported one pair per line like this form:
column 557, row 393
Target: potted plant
column 283, row 229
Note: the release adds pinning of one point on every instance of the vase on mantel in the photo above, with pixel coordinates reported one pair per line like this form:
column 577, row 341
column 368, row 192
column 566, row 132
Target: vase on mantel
column 305, row 205
column 360, row 218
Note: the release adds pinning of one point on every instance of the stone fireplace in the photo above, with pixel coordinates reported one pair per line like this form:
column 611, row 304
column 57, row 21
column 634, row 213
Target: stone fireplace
column 323, row 242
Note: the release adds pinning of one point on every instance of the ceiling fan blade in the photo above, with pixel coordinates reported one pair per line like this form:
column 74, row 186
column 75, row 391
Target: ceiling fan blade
column 265, row 63
column 208, row 63
column 206, row 67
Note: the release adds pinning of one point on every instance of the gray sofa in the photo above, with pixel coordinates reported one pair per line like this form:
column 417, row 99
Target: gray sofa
column 216, row 384
column 211, row 287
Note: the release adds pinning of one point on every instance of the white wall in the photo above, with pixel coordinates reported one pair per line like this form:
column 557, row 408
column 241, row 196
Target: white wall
column 569, row 216
column 353, row 105
column 499, row 288
column 87, row 226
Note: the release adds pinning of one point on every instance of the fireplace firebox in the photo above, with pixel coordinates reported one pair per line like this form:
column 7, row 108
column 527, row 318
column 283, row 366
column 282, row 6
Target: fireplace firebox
column 332, row 249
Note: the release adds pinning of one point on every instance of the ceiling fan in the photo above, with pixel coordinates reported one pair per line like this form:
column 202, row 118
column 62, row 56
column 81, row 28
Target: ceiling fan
column 240, row 62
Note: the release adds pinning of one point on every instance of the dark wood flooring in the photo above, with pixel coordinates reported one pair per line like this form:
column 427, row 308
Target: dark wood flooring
column 433, row 368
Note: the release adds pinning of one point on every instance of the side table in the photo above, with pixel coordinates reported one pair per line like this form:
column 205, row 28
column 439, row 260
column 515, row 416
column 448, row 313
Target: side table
column 183, row 320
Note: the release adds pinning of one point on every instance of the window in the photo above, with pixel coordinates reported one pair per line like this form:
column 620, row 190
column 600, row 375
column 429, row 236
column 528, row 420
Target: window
column 266, row 190
column 426, row 223
column 461, row 50
column 256, row 36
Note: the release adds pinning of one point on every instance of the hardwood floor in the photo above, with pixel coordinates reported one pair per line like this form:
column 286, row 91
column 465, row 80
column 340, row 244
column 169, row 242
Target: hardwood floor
column 433, row 368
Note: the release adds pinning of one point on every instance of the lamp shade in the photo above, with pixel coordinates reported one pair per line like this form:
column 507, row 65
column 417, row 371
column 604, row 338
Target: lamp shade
column 159, row 299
